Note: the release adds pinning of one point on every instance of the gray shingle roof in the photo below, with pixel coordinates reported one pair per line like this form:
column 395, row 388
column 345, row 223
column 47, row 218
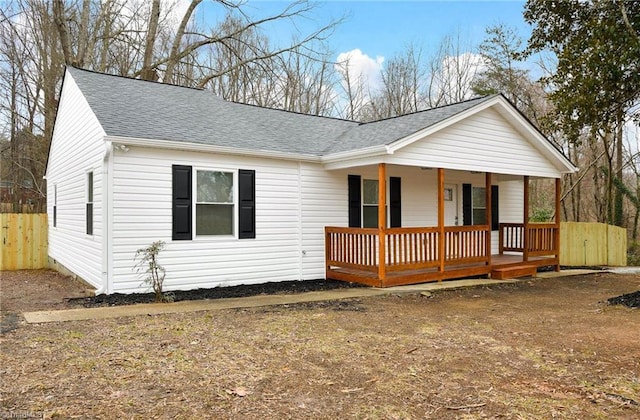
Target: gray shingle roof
column 135, row 108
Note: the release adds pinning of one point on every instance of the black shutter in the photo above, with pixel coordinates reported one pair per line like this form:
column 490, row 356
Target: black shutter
column 466, row 204
column 395, row 202
column 495, row 212
column 355, row 214
column 246, row 204
column 181, row 207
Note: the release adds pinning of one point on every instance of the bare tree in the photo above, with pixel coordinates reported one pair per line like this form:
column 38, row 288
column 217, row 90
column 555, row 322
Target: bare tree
column 402, row 86
column 452, row 71
column 354, row 90
column 307, row 85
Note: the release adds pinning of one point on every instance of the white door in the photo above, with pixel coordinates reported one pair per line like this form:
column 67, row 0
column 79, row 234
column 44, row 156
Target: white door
column 451, row 205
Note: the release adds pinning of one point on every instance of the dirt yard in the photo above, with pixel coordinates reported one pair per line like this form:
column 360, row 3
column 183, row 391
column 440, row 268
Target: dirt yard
column 534, row 349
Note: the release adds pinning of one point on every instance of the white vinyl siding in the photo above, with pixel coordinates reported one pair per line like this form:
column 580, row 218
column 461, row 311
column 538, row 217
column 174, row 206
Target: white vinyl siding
column 77, row 148
column 142, row 214
column 324, row 202
column 482, row 142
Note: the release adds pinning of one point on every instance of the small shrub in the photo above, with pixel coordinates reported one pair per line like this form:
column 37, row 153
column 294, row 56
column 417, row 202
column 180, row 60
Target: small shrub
column 148, row 264
column 541, row 215
column 633, row 254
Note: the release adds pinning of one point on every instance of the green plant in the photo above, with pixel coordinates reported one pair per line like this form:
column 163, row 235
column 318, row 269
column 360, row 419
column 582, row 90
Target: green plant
column 541, row 215
column 633, row 254
column 149, row 266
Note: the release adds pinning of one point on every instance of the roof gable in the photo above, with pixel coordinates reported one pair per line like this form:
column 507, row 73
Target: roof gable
column 546, row 154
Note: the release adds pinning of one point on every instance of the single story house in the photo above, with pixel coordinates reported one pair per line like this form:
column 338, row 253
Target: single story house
column 243, row 194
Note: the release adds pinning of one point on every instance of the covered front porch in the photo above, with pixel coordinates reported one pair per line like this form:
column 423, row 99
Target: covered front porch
column 390, row 256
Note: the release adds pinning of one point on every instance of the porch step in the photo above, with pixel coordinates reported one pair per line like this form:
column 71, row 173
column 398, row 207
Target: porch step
column 513, row 272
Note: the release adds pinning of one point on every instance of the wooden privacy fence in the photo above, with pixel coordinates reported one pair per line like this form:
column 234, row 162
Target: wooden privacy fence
column 587, row 244
column 24, row 241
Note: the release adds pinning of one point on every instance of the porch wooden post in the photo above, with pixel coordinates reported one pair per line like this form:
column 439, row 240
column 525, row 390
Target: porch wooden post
column 441, row 221
column 382, row 222
column 525, row 234
column 556, row 232
column 489, row 210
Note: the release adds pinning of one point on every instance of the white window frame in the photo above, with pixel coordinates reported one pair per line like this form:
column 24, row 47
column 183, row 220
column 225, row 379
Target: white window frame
column 473, row 207
column 362, row 204
column 233, row 171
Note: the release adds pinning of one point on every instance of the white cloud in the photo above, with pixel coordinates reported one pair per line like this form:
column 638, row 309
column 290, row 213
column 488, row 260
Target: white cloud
column 361, row 67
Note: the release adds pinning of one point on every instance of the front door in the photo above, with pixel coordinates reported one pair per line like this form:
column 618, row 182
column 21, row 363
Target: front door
column 451, row 205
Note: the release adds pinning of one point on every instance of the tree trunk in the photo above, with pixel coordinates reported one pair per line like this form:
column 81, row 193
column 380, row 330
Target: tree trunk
column 174, row 56
column 147, row 73
column 61, row 24
column 618, row 215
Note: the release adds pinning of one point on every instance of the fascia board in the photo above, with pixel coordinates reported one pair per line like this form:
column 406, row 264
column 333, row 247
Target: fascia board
column 208, row 148
column 379, row 150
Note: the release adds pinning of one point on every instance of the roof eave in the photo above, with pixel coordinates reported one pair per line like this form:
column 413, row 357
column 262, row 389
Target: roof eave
column 209, row 148
column 378, row 150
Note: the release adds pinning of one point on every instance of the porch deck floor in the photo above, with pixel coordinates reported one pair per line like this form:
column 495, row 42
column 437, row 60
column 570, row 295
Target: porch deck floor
column 451, row 272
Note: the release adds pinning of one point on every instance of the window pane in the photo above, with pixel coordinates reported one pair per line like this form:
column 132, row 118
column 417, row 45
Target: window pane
column 214, row 219
column 479, row 216
column 89, row 217
column 215, row 187
column 90, row 187
column 370, row 191
column 370, row 216
column 479, row 197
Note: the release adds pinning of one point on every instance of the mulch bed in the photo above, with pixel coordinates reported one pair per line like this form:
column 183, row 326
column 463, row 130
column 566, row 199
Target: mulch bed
column 243, row 290
column 632, row 300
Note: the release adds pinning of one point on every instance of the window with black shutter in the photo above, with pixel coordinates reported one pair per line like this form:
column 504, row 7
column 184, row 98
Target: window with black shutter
column 474, row 206
column 215, row 205
column 363, row 202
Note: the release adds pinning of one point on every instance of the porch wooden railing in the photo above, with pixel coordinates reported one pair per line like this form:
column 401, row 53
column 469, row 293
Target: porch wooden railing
column 411, row 248
column 465, row 244
column 406, row 248
column 352, row 248
column 541, row 238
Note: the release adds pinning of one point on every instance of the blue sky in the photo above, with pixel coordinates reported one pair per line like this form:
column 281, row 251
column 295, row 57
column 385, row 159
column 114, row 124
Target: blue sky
column 383, row 28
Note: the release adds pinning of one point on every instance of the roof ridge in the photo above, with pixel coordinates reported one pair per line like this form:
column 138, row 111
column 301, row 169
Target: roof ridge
column 291, row 112
column 119, row 76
